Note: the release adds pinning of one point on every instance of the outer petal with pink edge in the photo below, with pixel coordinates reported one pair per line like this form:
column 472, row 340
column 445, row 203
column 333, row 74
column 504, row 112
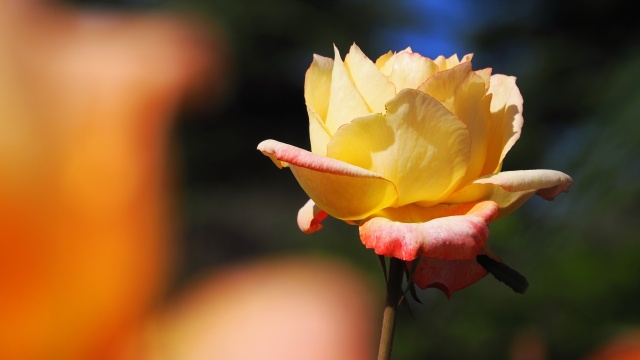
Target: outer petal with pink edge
column 310, row 217
column 511, row 189
column 451, row 232
column 448, row 275
column 344, row 191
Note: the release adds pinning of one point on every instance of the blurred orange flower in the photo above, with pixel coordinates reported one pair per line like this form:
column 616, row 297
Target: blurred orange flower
column 86, row 101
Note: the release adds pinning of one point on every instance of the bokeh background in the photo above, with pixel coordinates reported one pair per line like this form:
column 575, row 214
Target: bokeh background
column 578, row 66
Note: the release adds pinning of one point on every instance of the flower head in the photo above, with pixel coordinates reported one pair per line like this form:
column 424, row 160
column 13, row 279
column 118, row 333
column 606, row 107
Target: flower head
column 411, row 149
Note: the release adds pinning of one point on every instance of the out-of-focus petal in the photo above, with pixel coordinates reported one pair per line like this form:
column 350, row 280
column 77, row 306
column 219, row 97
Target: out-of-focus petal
column 317, row 85
column 87, row 100
column 453, row 232
column 448, row 276
column 410, row 70
column 370, row 82
column 511, row 189
column 310, row 217
column 319, row 135
column 345, row 103
column 287, row 308
column 506, row 120
column 461, row 91
column 344, row 191
column 415, row 124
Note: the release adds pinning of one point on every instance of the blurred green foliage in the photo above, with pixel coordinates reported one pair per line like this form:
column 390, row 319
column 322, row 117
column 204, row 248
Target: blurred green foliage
column 578, row 66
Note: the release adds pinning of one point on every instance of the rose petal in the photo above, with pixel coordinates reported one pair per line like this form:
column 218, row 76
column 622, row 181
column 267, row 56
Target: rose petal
column 511, row 189
column 448, row 276
column 310, row 217
column 317, row 85
column 370, row 82
column 345, row 103
column 551, row 181
column 448, row 63
column 344, row 191
column 319, row 135
column 443, row 236
column 506, row 120
column 417, row 138
column 382, row 61
column 385, row 62
column 461, row 91
column 485, row 74
column 410, row 70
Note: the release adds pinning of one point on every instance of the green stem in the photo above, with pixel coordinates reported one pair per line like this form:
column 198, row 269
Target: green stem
column 394, row 295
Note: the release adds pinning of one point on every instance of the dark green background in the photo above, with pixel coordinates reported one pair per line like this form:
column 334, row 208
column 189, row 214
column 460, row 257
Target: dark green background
column 578, row 68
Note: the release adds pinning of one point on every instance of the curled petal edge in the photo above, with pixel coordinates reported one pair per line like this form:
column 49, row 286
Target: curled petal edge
column 511, row 189
column 344, row 191
column 284, row 154
column 310, row 217
column 547, row 183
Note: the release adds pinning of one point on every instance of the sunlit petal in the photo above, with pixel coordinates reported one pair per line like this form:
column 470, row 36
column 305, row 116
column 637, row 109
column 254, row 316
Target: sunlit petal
column 466, row 58
column 381, row 62
column 506, row 120
column 385, row 62
column 450, row 231
column 345, row 103
column 485, row 74
column 452, row 61
column 317, row 85
column 318, row 133
column 463, row 93
column 410, row 70
column 418, row 145
column 344, row 191
column 370, row 82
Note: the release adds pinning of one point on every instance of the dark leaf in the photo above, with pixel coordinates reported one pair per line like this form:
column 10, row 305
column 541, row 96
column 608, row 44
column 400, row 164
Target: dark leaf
column 504, row 273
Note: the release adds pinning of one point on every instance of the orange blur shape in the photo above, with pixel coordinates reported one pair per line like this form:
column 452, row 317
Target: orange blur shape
column 86, row 104
column 623, row 346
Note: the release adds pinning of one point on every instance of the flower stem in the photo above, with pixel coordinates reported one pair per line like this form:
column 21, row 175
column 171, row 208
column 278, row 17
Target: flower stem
column 394, row 296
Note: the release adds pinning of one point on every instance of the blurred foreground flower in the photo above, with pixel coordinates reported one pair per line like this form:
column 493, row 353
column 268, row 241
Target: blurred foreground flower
column 623, row 346
column 290, row 308
column 411, row 150
column 86, row 102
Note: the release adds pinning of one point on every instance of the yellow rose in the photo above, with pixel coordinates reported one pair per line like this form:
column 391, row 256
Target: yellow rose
column 410, row 149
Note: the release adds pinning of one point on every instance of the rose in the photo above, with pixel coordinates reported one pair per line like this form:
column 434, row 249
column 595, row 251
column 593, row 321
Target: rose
column 410, row 150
